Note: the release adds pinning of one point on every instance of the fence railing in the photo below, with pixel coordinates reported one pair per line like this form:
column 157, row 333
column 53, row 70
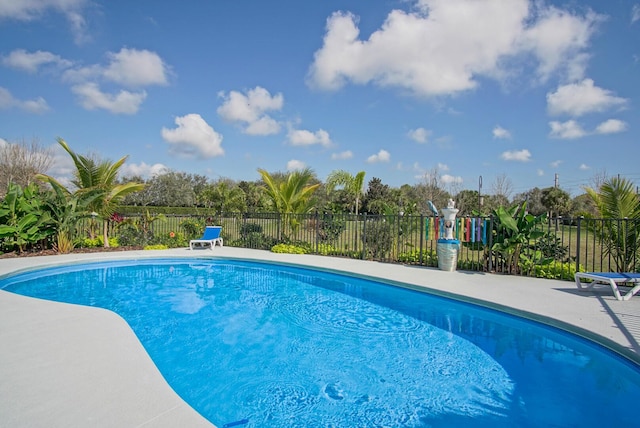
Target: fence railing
column 566, row 245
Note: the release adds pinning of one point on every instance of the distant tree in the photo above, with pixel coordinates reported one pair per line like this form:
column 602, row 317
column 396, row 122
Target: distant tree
column 583, row 205
column 254, row 197
column 198, row 183
column 408, row 200
column 533, row 198
column 556, row 201
column 492, row 202
column 432, row 189
column 502, row 187
column 224, row 196
column 20, row 163
column 467, row 201
column 378, row 197
column 170, row 189
column 352, row 186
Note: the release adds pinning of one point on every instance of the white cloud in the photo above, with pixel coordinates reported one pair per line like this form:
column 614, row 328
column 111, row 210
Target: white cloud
column 129, row 67
column 3, row 142
column 500, row 133
column 193, row 138
column 134, row 68
column 8, row 101
column 559, row 40
column 250, row 109
column 302, row 137
column 635, row 13
column 450, row 179
column 294, row 165
column 348, row 154
column 443, row 167
column 91, row 97
column 263, row 126
column 540, row 172
column 611, row 126
column 584, row 167
column 28, row 10
column 143, row 170
column 568, row 130
column 516, row 155
column 419, row 135
column 556, row 163
column 31, row 62
column 577, row 99
column 381, row 156
column 426, row 53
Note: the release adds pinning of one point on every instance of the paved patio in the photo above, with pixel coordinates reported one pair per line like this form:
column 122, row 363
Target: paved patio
column 65, row 365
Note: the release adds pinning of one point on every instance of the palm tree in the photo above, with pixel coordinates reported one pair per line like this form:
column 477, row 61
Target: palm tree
column 291, row 194
column 617, row 202
column 98, row 177
column 224, row 196
column 352, row 184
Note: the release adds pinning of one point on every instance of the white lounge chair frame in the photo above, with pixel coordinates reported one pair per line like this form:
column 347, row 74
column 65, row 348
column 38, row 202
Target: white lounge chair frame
column 612, row 279
column 208, row 242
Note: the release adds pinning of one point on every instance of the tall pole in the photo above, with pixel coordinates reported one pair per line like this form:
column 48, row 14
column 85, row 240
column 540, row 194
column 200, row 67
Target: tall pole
column 480, row 193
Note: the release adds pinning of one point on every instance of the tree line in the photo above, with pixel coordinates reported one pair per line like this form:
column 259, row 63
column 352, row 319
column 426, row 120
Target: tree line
column 297, row 192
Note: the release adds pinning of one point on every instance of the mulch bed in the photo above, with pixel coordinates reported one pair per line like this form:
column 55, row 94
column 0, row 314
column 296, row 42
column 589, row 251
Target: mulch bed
column 33, row 253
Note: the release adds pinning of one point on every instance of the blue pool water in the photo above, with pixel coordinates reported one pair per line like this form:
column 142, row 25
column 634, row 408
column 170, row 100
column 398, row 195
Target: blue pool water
column 264, row 345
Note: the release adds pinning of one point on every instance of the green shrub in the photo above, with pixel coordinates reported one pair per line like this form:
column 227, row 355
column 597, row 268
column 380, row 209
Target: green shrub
column 377, row 238
column 330, row 227
column 172, row 240
column 130, row 235
column 289, row 249
column 193, row 228
column 412, row 257
column 156, row 247
column 248, row 228
column 89, row 243
column 556, row 270
column 327, row 250
column 96, row 242
column 551, row 247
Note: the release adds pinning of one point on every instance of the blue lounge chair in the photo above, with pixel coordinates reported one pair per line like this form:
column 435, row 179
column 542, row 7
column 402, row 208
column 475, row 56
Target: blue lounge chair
column 612, row 279
column 210, row 238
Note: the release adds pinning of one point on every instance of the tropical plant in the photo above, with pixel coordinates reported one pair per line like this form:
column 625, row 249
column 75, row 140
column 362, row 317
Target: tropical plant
column 97, row 177
column 513, row 232
column 224, row 197
column 290, row 195
column 65, row 209
column 618, row 203
column 353, row 185
column 23, row 218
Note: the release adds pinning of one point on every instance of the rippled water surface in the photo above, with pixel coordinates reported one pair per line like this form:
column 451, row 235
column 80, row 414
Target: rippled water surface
column 260, row 345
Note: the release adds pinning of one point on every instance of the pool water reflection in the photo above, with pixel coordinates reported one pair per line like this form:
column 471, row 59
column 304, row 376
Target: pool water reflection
column 271, row 345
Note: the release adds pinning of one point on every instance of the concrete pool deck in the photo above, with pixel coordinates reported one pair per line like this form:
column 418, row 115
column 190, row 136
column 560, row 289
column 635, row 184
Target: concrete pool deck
column 65, row 365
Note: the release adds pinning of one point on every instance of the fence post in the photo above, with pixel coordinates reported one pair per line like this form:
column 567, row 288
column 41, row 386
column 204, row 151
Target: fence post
column 490, row 267
column 422, row 238
column 364, row 234
column 317, row 230
column 578, row 243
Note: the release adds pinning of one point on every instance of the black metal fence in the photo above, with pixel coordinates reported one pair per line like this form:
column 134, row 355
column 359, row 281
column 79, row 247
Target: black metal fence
column 566, row 245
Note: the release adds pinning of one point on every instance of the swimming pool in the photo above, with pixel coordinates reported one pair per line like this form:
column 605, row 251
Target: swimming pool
column 272, row 345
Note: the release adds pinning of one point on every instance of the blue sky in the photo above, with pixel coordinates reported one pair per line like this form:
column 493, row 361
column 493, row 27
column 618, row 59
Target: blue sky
column 461, row 88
